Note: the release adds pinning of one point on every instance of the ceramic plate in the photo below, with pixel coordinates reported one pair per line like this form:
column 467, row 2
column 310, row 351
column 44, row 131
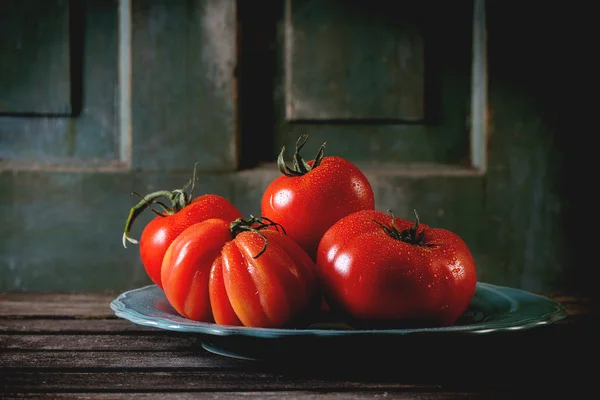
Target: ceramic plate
column 493, row 309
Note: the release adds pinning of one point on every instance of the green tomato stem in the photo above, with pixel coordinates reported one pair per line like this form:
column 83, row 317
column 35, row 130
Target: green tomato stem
column 411, row 236
column 254, row 224
column 300, row 167
column 178, row 198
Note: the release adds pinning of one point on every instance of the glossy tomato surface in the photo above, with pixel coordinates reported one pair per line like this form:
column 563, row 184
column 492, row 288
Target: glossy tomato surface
column 162, row 230
column 258, row 279
column 307, row 205
column 375, row 269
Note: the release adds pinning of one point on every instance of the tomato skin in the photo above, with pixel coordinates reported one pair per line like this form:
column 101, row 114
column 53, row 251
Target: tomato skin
column 161, row 231
column 211, row 277
column 306, row 206
column 374, row 278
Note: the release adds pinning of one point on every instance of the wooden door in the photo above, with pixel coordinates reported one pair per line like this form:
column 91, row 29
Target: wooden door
column 441, row 103
column 98, row 99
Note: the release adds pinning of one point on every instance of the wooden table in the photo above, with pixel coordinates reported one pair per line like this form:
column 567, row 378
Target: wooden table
column 66, row 346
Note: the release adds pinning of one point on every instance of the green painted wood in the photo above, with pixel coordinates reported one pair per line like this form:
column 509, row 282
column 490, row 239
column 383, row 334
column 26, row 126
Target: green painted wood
column 344, row 61
column 91, row 133
column 523, row 219
column 35, row 57
column 433, row 87
column 183, row 91
column 77, row 228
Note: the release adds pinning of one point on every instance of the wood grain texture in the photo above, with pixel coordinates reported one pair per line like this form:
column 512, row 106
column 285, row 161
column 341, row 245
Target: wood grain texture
column 77, row 305
column 90, row 342
column 61, row 231
column 117, row 360
column 76, row 362
column 289, row 395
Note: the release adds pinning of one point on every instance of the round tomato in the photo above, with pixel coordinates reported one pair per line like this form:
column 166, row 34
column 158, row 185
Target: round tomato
column 239, row 274
column 377, row 269
column 171, row 221
column 310, row 197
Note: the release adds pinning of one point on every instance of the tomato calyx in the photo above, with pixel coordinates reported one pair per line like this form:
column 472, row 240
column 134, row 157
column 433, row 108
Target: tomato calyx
column 300, row 167
column 178, row 198
column 254, row 224
column 410, row 236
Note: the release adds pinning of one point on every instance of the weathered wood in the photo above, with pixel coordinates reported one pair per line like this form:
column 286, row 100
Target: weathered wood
column 35, row 72
column 113, row 326
column 96, row 305
column 438, row 131
column 91, row 132
column 519, row 219
column 172, row 342
column 70, row 252
column 44, row 381
column 113, row 360
column 286, row 395
column 183, row 88
column 345, row 62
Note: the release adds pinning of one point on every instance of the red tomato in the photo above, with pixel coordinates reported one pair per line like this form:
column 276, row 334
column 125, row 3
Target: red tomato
column 375, row 268
column 310, row 198
column 163, row 229
column 239, row 274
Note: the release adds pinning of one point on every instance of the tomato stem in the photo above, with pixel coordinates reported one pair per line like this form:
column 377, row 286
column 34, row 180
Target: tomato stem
column 254, row 224
column 300, row 167
column 411, row 236
column 178, row 198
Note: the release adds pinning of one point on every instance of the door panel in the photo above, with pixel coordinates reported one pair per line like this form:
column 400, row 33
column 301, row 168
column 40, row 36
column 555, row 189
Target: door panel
column 158, row 95
column 35, row 57
column 158, row 91
column 362, row 63
column 183, row 89
column 383, row 84
column 91, row 132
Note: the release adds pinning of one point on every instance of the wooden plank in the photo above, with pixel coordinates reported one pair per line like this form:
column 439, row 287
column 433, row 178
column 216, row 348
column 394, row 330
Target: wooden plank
column 167, row 342
column 82, row 305
column 286, row 395
column 50, row 381
column 113, row 326
column 35, row 73
column 344, row 61
column 183, row 88
column 112, row 360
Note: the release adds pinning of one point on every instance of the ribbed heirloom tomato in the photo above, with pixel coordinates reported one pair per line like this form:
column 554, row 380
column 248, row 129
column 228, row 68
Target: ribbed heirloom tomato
column 240, row 273
column 310, row 197
column 376, row 269
column 183, row 211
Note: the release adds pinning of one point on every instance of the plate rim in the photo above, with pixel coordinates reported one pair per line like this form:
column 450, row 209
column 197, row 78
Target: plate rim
column 558, row 312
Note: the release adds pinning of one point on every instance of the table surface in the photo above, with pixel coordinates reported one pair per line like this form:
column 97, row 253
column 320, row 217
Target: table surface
column 66, row 346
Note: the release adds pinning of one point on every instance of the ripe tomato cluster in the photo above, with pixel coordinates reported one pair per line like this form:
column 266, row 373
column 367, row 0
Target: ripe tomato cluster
column 318, row 243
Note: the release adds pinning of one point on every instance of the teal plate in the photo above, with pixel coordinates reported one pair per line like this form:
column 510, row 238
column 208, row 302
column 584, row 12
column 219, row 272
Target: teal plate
column 494, row 309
